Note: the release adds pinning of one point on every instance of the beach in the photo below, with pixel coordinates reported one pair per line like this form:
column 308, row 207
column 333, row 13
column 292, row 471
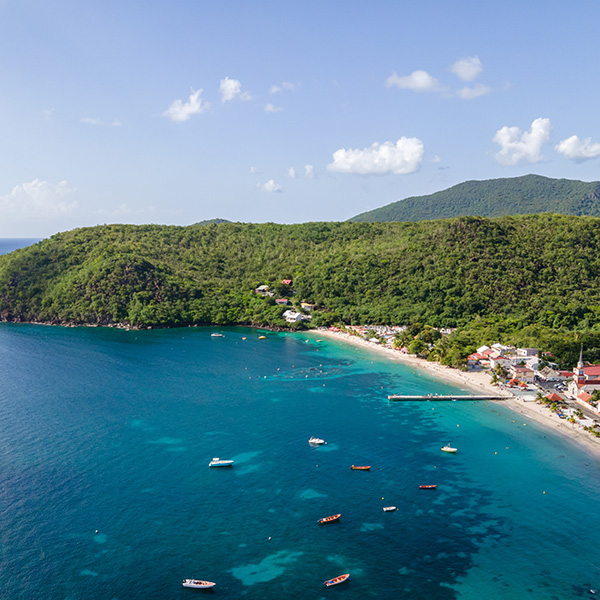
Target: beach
column 477, row 383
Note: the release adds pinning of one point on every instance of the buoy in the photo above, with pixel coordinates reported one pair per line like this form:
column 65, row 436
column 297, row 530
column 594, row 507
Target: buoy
column 269, row 537
column 495, row 453
column 544, row 492
column 96, row 531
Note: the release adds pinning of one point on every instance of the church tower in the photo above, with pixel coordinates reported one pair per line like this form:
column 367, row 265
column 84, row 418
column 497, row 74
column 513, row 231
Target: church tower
column 578, row 373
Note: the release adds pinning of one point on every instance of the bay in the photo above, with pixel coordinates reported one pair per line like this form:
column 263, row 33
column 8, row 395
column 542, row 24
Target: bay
column 105, row 490
column 9, row 244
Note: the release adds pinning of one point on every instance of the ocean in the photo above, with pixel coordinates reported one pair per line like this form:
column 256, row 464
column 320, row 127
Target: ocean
column 9, row 244
column 106, row 493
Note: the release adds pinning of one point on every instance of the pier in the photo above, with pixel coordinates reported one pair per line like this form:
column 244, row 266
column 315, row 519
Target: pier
column 442, row 398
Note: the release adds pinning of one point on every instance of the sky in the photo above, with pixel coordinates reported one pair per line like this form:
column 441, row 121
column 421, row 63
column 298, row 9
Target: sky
column 270, row 111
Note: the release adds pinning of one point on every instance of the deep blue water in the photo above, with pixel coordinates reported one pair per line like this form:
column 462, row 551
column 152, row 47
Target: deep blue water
column 105, row 490
column 9, row 244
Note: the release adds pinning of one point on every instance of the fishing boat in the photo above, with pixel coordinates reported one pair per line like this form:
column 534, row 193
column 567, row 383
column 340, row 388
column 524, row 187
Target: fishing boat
column 336, row 580
column 330, row 519
column 449, row 449
column 360, row 468
column 217, row 462
column 198, row 583
column 427, row 487
column 317, row 441
column 389, row 508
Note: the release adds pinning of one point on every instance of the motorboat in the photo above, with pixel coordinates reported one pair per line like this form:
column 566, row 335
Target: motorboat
column 427, row 487
column 336, row 580
column 198, row 583
column 449, row 449
column 317, row 441
column 330, row 519
column 216, row 335
column 360, row 468
column 389, row 508
column 217, row 462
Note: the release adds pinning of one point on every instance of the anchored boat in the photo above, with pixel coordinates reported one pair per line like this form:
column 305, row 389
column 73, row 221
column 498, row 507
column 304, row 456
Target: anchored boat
column 198, row 583
column 330, row 519
column 217, row 462
column 449, row 449
column 360, row 468
column 336, row 580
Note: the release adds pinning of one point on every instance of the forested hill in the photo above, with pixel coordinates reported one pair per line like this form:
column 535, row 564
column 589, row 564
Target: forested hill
column 538, row 268
column 530, row 194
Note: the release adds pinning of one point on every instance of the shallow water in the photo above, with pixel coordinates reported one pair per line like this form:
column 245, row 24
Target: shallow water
column 105, row 490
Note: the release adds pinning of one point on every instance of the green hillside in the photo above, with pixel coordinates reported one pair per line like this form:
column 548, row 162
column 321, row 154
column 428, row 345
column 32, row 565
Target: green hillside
column 530, row 194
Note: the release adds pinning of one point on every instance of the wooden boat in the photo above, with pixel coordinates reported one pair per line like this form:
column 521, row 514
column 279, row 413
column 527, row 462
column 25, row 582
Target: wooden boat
column 330, row 519
column 198, row 583
column 449, row 449
column 336, row 580
column 389, row 508
column 360, row 468
column 427, row 487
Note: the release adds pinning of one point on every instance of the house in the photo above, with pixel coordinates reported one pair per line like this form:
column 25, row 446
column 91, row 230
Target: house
column 548, row 374
column 526, row 352
column 585, row 379
column 307, row 305
column 282, row 301
column 500, row 360
column 286, row 281
column 554, row 397
column 292, row 316
column 523, row 374
column 263, row 290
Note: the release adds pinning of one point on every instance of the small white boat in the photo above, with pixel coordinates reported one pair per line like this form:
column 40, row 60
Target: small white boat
column 216, row 335
column 389, row 508
column 198, row 583
column 217, row 462
column 317, row 441
column 449, row 449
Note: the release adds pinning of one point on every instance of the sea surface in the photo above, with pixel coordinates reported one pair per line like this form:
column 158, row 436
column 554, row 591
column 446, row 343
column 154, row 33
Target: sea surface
column 9, row 244
column 106, row 493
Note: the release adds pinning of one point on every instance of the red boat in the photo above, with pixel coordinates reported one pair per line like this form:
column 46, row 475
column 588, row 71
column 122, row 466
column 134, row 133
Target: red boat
column 337, row 580
column 427, row 487
column 360, row 468
column 330, row 519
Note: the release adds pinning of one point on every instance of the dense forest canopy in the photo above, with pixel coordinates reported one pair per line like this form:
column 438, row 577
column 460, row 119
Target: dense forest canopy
column 529, row 194
column 535, row 274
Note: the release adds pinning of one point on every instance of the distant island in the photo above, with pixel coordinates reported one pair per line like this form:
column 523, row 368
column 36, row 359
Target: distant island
column 531, row 280
column 530, row 194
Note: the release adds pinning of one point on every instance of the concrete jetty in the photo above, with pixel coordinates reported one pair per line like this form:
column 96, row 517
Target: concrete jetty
column 442, row 398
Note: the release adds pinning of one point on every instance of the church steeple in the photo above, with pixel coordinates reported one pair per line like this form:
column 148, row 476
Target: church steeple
column 578, row 372
column 580, row 363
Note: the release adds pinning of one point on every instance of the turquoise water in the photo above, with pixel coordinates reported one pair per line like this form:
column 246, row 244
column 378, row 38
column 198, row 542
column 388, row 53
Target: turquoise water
column 105, row 490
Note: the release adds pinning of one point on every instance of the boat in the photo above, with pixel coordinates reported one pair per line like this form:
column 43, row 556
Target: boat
column 330, row 519
column 360, row 468
column 427, row 487
column 389, row 508
column 336, row 580
column 262, row 337
column 216, row 335
column 198, row 583
column 449, row 449
column 316, row 440
column 217, row 462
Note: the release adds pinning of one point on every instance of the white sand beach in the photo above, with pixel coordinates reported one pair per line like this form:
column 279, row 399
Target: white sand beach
column 476, row 382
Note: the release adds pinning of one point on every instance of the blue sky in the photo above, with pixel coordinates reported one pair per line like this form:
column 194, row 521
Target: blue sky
column 175, row 112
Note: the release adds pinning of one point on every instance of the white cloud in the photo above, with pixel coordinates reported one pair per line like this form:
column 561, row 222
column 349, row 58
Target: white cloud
column 405, row 156
column 578, row 150
column 436, row 159
column 309, row 171
column 417, row 81
column 285, row 85
column 467, row 68
column 271, row 108
column 181, row 111
column 231, row 89
column 96, row 121
column 291, row 172
column 39, row 199
column 519, row 147
column 269, row 187
column 468, row 93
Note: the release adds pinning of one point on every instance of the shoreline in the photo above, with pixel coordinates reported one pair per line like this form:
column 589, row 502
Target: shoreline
column 477, row 383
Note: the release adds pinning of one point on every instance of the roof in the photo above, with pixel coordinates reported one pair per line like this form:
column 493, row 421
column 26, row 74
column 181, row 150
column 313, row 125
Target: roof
column 286, row 281
column 592, row 371
column 554, row 397
column 585, row 396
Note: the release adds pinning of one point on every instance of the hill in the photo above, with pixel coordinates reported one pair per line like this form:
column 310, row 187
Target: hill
column 530, row 194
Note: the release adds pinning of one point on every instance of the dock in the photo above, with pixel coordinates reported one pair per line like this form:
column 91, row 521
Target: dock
column 442, row 398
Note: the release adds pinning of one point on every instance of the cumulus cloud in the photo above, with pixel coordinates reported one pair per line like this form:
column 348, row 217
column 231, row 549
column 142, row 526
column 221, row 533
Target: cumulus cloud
column 405, row 156
column 309, row 171
column 181, row 111
column 578, row 150
column 39, row 199
column 269, row 187
column 291, row 173
column 271, row 108
column 467, row 68
column 468, row 93
column 231, row 89
column 522, row 147
column 417, row 81
column 285, row 85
